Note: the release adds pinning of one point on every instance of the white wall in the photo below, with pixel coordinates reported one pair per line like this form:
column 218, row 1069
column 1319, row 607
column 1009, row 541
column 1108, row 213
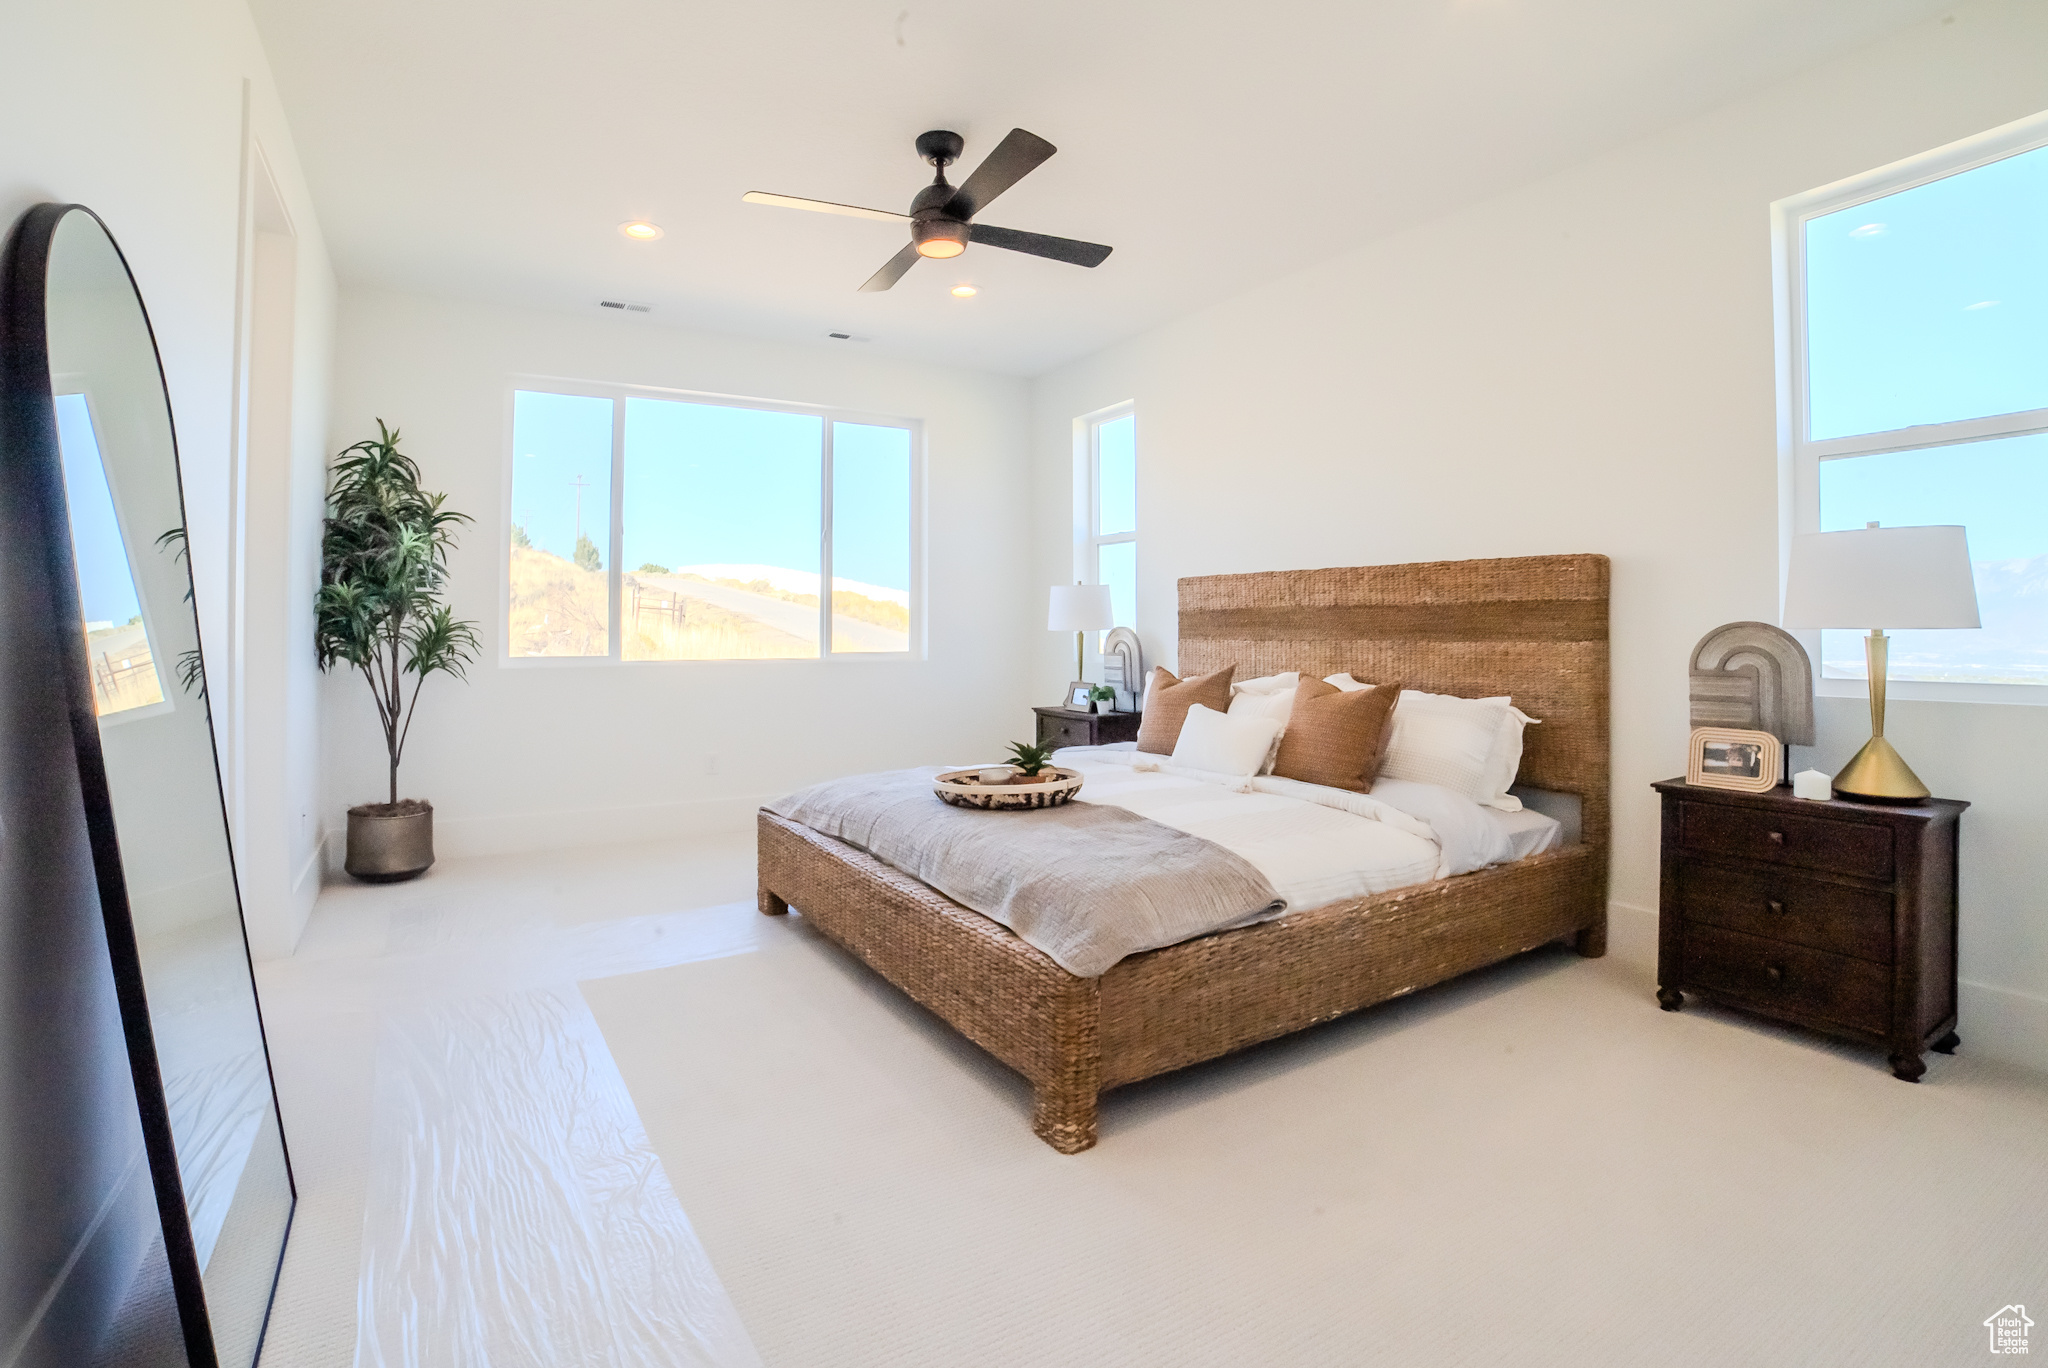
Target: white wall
column 270, row 737
column 1585, row 364
column 140, row 111
column 525, row 758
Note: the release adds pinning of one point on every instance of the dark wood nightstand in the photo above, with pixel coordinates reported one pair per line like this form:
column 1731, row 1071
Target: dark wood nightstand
column 1840, row 916
column 1071, row 727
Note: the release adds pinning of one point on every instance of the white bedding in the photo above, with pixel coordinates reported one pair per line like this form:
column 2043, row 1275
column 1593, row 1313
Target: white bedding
column 1314, row 844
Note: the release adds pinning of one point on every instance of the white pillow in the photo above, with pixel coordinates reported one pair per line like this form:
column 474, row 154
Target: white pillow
column 1222, row 744
column 1284, row 682
column 1270, row 697
column 1471, row 746
column 1345, row 682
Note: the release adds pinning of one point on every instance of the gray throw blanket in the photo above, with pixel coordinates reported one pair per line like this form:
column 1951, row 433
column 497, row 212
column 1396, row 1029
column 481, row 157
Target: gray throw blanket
column 1086, row 884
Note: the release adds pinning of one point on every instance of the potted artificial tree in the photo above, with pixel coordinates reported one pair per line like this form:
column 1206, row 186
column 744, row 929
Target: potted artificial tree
column 383, row 562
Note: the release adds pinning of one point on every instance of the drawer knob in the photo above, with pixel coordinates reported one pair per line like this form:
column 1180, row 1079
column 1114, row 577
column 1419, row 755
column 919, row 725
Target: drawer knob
column 1777, row 838
column 1777, row 908
column 1774, row 973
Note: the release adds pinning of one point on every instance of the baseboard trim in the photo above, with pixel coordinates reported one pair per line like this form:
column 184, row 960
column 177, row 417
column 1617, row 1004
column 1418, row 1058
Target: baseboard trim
column 306, row 887
column 1632, row 933
column 2004, row 1024
column 572, row 828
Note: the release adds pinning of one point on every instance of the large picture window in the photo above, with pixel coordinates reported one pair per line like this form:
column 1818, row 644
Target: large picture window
column 1918, row 388
column 1111, row 556
column 648, row 526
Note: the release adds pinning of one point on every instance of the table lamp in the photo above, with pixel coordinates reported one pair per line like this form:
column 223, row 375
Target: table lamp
column 1901, row 577
column 1080, row 609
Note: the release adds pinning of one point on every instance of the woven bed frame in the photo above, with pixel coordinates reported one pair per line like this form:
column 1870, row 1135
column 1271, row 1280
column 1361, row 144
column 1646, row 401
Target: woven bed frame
column 1534, row 627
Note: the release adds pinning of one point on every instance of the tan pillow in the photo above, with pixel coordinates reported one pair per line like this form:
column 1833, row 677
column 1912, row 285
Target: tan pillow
column 1168, row 699
column 1336, row 737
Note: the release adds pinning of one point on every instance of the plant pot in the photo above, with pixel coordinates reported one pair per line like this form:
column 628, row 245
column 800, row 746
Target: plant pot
column 390, row 842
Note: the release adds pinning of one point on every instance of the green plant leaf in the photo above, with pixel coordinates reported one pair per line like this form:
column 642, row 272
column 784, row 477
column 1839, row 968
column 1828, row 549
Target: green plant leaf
column 1029, row 758
column 383, row 567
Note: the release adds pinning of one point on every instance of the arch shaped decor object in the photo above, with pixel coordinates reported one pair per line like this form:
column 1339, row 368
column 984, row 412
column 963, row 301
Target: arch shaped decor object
column 1123, row 664
column 1755, row 677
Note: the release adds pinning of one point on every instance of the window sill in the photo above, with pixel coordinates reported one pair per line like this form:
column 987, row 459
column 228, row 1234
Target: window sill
column 1917, row 691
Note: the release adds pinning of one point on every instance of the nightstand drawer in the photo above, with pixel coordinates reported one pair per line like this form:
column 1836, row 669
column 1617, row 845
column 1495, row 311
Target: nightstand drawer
column 1785, row 906
column 1789, row 978
column 1063, row 731
column 1808, row 842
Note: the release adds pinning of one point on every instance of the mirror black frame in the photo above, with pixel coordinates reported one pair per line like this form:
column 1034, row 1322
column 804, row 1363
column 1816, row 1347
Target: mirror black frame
column 28, row 444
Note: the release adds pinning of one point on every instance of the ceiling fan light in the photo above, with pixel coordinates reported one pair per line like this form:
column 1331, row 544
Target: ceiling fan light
column 939, row 237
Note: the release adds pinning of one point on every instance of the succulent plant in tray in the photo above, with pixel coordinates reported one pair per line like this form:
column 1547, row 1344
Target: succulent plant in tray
column 1033, row 761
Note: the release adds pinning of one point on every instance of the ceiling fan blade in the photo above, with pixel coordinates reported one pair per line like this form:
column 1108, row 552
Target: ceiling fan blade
column 894, row 269
column 822, row 206
column 1014, row 158
column 1038, row 244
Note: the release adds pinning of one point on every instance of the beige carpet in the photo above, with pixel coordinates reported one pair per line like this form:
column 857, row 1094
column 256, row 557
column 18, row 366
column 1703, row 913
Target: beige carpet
column 1532, row 1166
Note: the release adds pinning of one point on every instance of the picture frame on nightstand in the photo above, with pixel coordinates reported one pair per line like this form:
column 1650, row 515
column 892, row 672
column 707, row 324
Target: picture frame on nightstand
column 1734, row 759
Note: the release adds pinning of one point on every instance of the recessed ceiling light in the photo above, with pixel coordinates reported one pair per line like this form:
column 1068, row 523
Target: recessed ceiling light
column 641, row 229
column 965, row 291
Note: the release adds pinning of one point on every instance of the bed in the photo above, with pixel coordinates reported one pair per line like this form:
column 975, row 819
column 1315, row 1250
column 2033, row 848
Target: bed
column 1534, row 627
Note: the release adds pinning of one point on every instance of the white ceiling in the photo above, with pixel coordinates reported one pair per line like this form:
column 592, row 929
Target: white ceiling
column 489, row 150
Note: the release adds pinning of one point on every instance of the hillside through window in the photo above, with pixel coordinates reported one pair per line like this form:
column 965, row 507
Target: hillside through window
column 650, row 528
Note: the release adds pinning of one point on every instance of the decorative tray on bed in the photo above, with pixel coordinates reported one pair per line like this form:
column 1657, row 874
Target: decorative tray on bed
column 965, row 788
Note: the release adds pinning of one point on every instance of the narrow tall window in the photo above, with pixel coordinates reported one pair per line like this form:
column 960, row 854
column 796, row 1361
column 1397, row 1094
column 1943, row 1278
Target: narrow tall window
column 561, row 525
column 652, row 527
column 1920, row 388
column 871, row 508
column 1113, row 512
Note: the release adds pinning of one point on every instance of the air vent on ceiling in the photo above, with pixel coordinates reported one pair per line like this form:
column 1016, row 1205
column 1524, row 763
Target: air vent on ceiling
column 848, row 337
column 622, row 304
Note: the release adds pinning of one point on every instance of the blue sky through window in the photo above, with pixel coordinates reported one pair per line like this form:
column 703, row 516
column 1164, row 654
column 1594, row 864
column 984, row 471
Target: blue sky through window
column 1116, row 462
column 871, row 505
column 106, row 584
column 708, row 484
column 1931, row 306
column 562, row 470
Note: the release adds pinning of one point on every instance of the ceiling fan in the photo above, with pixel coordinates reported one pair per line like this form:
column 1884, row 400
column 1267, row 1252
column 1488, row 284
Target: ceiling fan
column 939, row 217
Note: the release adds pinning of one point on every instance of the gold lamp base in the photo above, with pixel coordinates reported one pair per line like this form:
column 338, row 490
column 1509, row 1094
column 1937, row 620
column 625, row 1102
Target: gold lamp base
column 1877, row 772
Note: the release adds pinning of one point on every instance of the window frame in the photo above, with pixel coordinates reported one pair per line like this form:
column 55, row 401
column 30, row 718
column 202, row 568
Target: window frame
column 1800, row 457
column 1090, row 539
column 618, row 394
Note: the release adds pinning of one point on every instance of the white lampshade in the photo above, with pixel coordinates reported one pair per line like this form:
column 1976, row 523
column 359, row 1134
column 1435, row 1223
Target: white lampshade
column 1079, row 608
column 1881, row 577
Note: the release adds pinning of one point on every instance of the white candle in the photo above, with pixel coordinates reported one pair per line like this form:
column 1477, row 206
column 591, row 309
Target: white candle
column 1812, row 784
column 1001, row 774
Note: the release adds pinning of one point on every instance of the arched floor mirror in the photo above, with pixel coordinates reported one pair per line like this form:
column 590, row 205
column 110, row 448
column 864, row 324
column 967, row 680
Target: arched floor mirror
column 96, row 502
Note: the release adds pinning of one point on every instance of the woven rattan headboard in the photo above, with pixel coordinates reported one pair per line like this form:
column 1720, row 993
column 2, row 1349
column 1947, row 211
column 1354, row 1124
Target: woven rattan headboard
column 1531, row 626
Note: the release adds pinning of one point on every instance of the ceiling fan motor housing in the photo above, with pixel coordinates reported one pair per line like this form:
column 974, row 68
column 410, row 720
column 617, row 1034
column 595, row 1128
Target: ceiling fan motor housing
column 936, row 233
